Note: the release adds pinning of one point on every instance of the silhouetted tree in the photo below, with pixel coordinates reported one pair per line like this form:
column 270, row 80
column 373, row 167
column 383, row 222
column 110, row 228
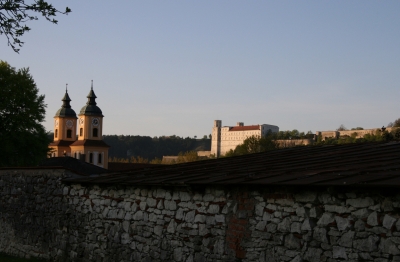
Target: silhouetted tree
column 14, row 14
column 23, row 139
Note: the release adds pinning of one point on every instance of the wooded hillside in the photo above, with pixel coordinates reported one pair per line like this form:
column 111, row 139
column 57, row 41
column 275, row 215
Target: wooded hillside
column 147, row 147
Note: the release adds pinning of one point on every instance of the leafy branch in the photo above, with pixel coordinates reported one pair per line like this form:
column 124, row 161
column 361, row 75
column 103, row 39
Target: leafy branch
column 14, row 14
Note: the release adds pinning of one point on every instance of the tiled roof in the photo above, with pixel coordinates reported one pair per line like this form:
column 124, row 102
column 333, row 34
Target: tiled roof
column 61, row 143
column 78, row 166
column 362, row 164
column 115, row 166
column 89, row 142
column 245, row 128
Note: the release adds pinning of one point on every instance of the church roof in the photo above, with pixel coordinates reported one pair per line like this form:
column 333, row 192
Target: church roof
column 90, row 143
column 66, row 110
column 64, row 143
column 91, row 108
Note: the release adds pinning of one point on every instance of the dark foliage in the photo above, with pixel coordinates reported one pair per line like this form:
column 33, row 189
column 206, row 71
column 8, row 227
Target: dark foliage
column 150, row 148
column 254, row 144
column 23, row 139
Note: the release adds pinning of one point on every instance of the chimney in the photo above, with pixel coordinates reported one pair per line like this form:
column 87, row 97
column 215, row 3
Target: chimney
column 239, row 124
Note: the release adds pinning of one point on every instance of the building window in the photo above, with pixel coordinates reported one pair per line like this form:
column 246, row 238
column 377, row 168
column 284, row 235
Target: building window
column 99, row 160
column 81, row 131
column 95, row 131
column 75, row 155
column 56, row 133
column 69, row 133
column 91, row 158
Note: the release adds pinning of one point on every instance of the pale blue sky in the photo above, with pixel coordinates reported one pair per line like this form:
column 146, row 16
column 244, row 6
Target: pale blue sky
column 172, row 67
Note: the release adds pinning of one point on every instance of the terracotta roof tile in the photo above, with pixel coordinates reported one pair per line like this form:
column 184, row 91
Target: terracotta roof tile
column 245, row 128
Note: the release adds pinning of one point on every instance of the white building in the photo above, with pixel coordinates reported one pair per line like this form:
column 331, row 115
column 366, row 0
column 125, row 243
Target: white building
column 228, row 137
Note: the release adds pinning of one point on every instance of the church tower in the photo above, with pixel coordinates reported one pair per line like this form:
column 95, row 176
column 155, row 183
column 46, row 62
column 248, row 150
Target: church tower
column 216, row 138
column 90, row 146
column 64, row 129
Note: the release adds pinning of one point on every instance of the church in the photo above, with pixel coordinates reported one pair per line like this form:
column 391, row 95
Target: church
column 80, row 137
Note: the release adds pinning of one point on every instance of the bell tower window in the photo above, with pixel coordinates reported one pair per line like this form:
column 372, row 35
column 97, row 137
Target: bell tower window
column 69, row 133
column 95, row 132
column 81, row 131
column 56, row 133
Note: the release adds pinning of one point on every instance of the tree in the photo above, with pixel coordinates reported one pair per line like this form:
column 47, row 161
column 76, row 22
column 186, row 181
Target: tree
column 254, row 144
column 15, row 13
column 396, row 123
column 341, row 128
column 23, row 139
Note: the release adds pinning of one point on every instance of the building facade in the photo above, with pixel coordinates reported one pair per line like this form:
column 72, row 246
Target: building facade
column 225, row 138
column 357, row 133
column 82, row 137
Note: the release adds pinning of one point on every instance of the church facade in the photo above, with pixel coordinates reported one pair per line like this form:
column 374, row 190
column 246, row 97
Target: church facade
column 80, row 136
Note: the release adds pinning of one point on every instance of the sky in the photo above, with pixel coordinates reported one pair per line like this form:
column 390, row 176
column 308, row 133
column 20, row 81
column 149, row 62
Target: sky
column 173, row 67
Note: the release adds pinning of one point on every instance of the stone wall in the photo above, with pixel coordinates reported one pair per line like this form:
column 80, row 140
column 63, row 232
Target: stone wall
column 42, row 217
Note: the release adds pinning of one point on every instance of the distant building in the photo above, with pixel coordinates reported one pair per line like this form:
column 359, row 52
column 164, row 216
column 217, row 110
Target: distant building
column 228, row 137
column 82, row 139
column 358, row 133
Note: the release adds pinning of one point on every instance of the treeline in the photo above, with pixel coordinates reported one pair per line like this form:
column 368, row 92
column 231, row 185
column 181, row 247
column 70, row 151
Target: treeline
column 150, row 148
column 189, row 156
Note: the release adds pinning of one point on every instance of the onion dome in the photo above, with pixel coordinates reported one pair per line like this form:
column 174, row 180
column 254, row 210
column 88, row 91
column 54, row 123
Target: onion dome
column 66, row 110
column 91, row 108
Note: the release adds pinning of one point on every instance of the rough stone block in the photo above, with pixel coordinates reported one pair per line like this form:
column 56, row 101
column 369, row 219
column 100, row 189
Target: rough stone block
column 271, row 227
column 347, row 239
column 213, row 209
column 315, row 212
column 369, row 244
column 292, row 242
column 388, row 221
column 313, row 254
column 171, row 226
column 199, row 218
column 284, row 202
column 337, row 209
column 170, row 204
column 308, row 224
column 284, row 226
column 308, row 197
column 325, row 219
column 387, row 246
column 260, row 209
column 342, row 223
column 302, row 212
column 339, row 252
column 261, row 225
column 151, row 202
column 361, row 213
column 295, row 227
column 189, row 217
column 360, row 202
column 320, row 235
column 373, row 219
